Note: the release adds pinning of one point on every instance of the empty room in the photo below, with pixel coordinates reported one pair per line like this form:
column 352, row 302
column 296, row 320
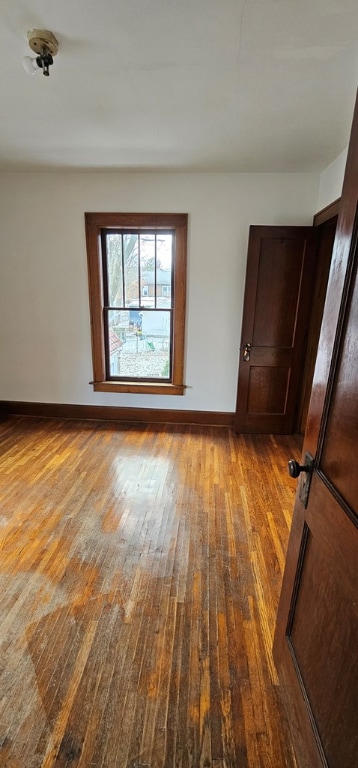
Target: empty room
column 178, row 384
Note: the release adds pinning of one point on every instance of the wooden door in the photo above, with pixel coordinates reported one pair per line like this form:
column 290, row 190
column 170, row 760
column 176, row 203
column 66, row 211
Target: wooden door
column 316, row 638
column 279, row 282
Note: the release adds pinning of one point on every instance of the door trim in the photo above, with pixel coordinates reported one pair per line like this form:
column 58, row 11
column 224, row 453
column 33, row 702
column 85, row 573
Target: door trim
column 327, row 213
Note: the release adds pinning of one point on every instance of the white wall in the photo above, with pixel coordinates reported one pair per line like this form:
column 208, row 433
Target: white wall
column 45, row 347
column 331, row 181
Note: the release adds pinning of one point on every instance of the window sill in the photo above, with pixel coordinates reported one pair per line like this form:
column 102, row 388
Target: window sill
column 139, row 388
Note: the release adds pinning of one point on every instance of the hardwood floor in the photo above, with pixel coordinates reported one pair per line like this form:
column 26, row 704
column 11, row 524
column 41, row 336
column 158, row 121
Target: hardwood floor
column 140, row 570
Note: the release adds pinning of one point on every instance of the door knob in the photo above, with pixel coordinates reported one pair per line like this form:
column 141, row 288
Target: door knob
column 295, row 469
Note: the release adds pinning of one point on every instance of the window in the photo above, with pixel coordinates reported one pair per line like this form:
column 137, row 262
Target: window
column 137, row 278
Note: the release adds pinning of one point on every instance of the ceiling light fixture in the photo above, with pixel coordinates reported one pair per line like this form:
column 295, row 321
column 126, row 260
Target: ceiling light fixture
column 45, row 45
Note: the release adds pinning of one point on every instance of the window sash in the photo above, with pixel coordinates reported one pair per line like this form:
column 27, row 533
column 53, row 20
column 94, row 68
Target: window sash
column 113, row 377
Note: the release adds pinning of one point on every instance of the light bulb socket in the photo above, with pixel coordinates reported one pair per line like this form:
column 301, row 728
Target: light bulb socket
column 44, row 61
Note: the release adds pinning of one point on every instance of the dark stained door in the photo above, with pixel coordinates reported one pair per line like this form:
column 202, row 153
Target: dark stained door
column 316, row 638
column 279, row 283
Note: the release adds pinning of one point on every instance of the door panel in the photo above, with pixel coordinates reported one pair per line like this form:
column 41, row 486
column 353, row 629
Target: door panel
column 278, row 289
column 268, row 386
column 279, row 279
column 316, row 638
column 342, row 421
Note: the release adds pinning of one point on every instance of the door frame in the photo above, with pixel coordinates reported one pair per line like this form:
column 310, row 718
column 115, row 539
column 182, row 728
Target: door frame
column 321, row 220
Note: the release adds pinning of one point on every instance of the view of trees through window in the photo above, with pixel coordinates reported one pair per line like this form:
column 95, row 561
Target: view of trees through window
column 137, row 283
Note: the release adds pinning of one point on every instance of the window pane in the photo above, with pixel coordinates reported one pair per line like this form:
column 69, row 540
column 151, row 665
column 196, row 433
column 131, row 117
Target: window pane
column 164, row 270
column 131, row 269
column 139, row 349
column 165, row 250
column 147, row 269
column 118, row 324
column 114, row 270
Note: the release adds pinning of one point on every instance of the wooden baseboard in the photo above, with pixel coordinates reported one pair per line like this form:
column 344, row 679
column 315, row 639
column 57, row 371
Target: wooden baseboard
column 114, row 413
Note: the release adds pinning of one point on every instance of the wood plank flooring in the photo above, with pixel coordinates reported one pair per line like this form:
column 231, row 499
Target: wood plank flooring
column 140, row 571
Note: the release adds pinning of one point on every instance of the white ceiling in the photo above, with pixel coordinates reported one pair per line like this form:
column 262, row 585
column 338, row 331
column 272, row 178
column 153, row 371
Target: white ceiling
column 190, row 85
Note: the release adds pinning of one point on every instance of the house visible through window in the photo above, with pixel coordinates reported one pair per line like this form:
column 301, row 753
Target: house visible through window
column 137, row 266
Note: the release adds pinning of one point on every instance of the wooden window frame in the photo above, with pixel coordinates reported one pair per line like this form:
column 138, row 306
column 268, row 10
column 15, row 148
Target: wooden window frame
column 178, row 223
